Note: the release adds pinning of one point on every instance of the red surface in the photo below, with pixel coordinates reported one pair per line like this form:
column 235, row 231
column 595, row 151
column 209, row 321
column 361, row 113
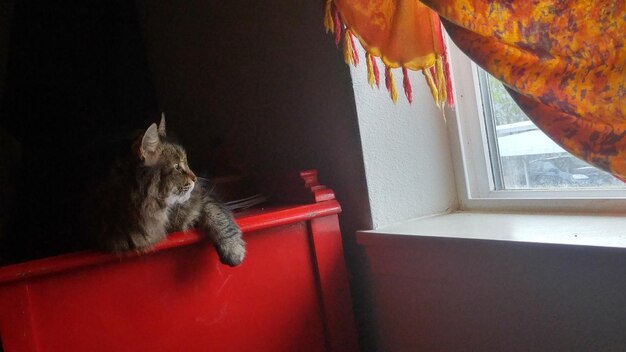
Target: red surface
column 284, row 297
column 333, row 285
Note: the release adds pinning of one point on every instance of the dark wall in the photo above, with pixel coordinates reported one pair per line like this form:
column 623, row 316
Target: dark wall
column 265, row 77
column 76, row 78
column 262, row 75
column 6, row 14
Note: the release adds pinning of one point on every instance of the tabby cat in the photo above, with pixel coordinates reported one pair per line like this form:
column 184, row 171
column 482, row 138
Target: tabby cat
column 152, row 192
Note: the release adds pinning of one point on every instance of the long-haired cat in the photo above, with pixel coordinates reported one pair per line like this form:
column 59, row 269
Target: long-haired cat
column 152, row 192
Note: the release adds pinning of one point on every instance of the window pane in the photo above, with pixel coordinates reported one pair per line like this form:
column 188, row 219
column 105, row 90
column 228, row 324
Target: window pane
column 523, row 157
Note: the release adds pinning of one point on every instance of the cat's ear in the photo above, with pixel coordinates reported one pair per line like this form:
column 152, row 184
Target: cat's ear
column 149, row 149
column 162, row 125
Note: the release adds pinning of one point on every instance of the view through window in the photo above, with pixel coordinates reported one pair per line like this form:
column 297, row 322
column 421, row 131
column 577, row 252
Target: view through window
column 523, row 157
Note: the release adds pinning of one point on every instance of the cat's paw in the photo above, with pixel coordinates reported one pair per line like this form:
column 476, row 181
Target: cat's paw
column 231, row 251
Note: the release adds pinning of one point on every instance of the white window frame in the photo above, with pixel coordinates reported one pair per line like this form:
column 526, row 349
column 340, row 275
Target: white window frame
column 472, row 164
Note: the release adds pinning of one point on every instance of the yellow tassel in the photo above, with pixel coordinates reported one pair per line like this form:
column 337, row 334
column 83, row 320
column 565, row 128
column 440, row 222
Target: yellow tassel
column 371, row 78
column 394, row 92
column 328, row 17
column 348, row 50
column 441, row 80
column 431, row 85
column 391, row 85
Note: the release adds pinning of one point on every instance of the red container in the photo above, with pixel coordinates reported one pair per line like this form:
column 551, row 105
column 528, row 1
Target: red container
column 290, row 294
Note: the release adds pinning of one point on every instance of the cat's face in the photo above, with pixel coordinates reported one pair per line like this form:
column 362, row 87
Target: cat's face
column 176, row 178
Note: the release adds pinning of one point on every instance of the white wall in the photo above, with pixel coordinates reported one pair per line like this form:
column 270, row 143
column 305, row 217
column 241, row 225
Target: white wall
column 406, row 150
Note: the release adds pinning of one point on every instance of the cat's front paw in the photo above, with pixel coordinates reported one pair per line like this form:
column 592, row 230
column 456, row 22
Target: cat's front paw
column 231, row 251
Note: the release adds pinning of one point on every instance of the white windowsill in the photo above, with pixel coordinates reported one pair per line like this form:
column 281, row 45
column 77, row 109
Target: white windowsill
column 562, row 229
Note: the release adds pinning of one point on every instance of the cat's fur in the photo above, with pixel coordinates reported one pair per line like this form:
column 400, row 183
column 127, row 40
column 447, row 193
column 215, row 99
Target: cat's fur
column 152, row 192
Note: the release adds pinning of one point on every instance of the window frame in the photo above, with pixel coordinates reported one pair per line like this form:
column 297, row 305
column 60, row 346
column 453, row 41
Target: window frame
column 472, row 164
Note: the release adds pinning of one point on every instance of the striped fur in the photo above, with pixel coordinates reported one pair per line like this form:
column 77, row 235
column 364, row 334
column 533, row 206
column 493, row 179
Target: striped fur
column 153, row 192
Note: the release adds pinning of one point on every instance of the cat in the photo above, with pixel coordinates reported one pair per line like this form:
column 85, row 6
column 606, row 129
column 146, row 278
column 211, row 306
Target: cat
column 152, row 192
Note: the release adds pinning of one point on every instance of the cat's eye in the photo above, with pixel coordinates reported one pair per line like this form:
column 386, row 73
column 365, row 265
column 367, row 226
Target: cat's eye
column 178, row 167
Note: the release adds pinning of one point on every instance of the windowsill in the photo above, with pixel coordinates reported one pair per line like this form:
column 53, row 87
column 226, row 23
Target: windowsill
column 560, row 229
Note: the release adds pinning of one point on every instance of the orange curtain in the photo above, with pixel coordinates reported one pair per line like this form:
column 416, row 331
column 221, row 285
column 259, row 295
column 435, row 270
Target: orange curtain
column 400, row 33
column 563, row 62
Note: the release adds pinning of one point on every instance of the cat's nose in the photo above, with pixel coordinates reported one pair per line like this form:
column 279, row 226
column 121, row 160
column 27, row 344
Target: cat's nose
column 192, row 176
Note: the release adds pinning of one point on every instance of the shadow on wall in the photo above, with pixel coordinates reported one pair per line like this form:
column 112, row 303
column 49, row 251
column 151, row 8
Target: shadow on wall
column 76, row 80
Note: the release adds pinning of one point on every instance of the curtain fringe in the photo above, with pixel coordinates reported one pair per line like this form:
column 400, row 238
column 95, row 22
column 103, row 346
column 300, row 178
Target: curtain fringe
column 373, row 76
column 431, row 84
column 448, row 77
column 390, row 84
column 338, row 25
column 441, row 81
column 329, row 24
column 370, row 70
column 408, row 91
column 350, row 55
column 376, row 72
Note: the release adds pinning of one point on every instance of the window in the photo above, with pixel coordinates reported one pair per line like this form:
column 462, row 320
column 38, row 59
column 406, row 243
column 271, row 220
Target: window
column 524, row 158
column 503, row 161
